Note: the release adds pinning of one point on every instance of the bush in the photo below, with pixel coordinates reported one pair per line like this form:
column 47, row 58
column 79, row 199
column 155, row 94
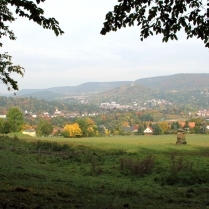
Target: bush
column 182, row 172
column 51, row 146
column 138, row 167
column 180, row 164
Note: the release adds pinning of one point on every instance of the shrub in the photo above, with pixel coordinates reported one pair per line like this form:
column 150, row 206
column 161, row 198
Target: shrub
column 15, row 138
column 51, row 146
column 182, row 172
column 180, row 164
column 95, row 169
column 138, row 167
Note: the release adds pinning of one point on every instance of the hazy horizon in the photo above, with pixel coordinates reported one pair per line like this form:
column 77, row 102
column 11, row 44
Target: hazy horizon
column 11, row 92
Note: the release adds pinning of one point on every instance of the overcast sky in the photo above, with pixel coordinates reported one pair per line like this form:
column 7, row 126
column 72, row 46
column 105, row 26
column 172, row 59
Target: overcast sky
column 83, row 55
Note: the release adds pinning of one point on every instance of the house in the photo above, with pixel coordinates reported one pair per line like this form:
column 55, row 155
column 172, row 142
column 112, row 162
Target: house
column 130, row 129
column 148, row 131
column 3, row 116
column 30, row 132
column 190, row 124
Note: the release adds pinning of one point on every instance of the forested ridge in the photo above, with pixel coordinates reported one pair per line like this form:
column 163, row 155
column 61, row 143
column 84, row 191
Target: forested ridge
column 126, row 95
column 39, row 106
column 182, row 90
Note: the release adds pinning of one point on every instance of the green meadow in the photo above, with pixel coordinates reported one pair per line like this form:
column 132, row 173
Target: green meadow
column 104, row 172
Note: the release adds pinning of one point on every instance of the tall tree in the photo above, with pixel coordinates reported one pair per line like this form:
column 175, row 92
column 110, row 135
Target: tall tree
column 163, row 126
column 15, row 119
column 146, row 117
column 165, row 17
column 156, row 129
column 87, row 126
column 175, row 125
column 44, row 128
column 140, row 130
column 27, row 9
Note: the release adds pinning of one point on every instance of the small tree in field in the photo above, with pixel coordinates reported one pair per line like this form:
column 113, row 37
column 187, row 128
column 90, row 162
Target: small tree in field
column 44, row 128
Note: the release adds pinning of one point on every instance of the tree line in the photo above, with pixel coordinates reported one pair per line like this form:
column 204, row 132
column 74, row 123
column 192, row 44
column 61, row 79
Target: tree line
column 116, row 123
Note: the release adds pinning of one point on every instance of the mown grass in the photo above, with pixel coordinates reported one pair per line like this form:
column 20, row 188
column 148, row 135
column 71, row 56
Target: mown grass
column 104, row 172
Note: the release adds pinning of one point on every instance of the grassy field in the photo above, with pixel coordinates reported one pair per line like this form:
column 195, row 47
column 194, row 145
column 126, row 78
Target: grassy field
column 104, row 172
column 131, row 143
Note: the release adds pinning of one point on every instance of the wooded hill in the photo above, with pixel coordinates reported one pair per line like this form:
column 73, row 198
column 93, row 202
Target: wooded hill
column 191, row 90
column 197, row 98
column 166, row 83
column 177, row 82
column 58, row 92
column 181, row 89
column 38, row 106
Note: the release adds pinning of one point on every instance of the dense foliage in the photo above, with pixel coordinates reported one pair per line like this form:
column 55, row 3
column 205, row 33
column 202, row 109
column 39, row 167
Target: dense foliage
column 44, row 128
column 160, row 17
column 72, row 130
column 15, row 119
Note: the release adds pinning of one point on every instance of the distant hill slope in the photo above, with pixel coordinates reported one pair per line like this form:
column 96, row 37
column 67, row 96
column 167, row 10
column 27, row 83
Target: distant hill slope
column 190, row 89
column 125, row 94
column 89, row 87
column 186, row 90
column 177, row 81
column 57, row 92
column 28, row 91
column 46, row 95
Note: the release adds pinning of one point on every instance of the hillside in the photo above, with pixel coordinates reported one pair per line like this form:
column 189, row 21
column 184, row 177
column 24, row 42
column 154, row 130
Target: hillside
column 197, row 98
column 179, row 89
column 57, row 92
column 125, row 94
column 171, row 82
column 46, row 95
column 33, row 105
column 177, row 81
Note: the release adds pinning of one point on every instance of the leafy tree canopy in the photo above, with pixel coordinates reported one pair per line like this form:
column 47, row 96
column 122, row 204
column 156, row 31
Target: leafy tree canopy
column 156, row 129
column 140, row 130
column 72, row 130
column 86, row 126
column 15, row 119
column 165, row 17
column 146, row 117
column 31, row 11
column 44, row 128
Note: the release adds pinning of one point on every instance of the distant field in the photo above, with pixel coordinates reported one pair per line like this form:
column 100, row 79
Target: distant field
column 133, row 143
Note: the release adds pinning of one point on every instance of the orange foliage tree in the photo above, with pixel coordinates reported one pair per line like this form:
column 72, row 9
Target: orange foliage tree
column 72, row 130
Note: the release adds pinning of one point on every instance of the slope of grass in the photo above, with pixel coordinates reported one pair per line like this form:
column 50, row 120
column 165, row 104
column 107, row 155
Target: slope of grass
column 132, row 143
column 108, row 172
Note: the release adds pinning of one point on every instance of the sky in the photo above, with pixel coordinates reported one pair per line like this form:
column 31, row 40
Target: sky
column 82, row 55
